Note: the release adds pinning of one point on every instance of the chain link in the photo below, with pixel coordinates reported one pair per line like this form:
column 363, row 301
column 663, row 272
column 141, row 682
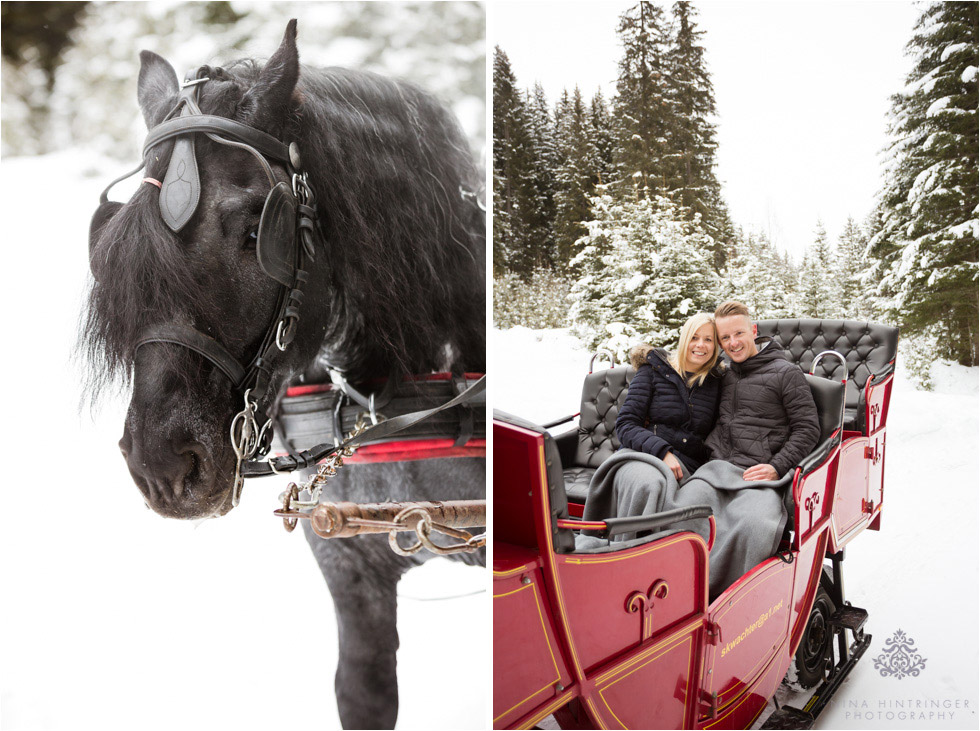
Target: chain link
column 292, row 506
column 314, row 485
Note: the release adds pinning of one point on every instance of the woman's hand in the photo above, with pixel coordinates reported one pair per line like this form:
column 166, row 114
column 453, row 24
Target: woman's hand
column 671, row 461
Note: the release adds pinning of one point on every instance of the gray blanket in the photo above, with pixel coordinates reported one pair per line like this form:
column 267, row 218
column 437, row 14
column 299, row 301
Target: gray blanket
column 750, row 516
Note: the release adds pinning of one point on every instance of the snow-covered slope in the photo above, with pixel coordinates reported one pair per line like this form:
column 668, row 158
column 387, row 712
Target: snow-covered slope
column 918, row 574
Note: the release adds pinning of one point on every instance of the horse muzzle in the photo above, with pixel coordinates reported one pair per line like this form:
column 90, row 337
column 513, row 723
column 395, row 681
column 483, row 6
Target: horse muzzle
column 178, row 477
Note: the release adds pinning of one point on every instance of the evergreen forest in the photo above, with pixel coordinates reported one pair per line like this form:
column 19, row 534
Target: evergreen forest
column 609, row 218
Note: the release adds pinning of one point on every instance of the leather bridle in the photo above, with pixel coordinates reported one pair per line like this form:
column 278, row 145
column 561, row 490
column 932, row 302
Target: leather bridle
column 284, row 248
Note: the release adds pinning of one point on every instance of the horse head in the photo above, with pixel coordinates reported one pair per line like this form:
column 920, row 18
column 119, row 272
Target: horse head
column 198, row 278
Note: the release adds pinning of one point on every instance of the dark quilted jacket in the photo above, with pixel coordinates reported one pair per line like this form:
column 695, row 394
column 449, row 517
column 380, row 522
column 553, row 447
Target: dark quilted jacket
column 661, row 414
column 767, row 414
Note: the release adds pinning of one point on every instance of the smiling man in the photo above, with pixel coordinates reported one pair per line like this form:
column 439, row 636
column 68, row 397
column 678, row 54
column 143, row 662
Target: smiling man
column 767, row 420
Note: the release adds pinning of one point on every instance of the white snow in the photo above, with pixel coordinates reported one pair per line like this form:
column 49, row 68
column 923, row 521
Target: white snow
column 937, row 106
column 969, row 74
column 114, row 618
column 918, row 574
column 951, row 49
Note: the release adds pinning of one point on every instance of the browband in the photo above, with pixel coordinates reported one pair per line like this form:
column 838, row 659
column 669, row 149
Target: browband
column 264, row 143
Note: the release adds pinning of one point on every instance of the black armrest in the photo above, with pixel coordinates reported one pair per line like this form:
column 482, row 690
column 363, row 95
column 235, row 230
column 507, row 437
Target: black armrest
column 616, row 526
column 562, row 420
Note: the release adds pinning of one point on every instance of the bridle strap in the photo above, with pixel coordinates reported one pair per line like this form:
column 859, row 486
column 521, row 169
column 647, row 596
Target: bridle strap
column 309, row 457
column 264, row 143
column 200, row 343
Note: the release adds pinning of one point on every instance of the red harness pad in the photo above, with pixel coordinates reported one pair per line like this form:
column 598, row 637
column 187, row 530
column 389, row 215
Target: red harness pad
column 408, row 450
column 405, row 450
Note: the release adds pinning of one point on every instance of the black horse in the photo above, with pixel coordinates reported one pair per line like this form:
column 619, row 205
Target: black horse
column 396, row 286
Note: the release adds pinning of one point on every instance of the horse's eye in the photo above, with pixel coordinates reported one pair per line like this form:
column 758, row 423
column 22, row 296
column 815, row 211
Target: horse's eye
column 251, row 238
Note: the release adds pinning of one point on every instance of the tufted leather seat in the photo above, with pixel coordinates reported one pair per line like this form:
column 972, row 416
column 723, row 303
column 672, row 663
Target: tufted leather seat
column 869, row 349
column 602, row 394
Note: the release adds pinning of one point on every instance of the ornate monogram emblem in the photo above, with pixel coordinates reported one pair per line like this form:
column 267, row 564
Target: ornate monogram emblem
column 900, row 657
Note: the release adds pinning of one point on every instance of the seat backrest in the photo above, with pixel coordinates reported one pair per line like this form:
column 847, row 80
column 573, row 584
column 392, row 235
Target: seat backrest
column 562, row 541
column 603, row 393
column 830, row 405
column 867, row 347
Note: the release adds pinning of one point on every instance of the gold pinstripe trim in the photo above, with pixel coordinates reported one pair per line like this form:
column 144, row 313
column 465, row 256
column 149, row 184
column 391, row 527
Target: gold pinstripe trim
column 674, row 637
column 747, row 695
column 676, row 645
column 545, row 712
column 511, row 572
column 550, row 552
column 551, row 652
column 605, row 558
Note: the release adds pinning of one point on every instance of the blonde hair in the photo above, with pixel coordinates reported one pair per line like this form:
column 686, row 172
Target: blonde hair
column 678, row 359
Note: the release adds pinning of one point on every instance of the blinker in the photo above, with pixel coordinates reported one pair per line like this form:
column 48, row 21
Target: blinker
column 276, row 245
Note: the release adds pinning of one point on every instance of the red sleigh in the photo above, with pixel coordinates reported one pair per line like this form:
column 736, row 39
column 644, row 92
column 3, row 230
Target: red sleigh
column 624, row 636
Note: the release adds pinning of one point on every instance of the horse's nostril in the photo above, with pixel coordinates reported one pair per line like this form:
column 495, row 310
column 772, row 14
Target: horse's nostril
column 193, row 457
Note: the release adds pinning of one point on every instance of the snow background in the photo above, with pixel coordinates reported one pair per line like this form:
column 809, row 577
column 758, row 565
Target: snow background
column 111, row 617
column 918, row 574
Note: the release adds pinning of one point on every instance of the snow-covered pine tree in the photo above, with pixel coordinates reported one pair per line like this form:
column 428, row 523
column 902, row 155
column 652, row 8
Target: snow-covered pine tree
column 644, row 270
column 521, row 243
column 690, row 158
column 547, row 160
column 754, row 276
column 855, row 299
column 575, row 175
column 926, row 250
column 641, row 104
column 819, row 290
column 602, row 137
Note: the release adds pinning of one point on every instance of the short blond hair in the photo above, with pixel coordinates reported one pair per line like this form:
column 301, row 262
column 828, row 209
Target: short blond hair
column 732, row 307
column 678, row 360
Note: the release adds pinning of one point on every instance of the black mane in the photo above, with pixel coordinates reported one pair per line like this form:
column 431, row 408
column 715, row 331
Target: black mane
column 405, row 248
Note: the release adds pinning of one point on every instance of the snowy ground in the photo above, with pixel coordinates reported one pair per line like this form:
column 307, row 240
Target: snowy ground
column 113, row 618
column 919, row 574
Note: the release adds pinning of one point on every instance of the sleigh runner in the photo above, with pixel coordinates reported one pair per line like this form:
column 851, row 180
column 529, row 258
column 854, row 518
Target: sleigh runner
column 624, row 636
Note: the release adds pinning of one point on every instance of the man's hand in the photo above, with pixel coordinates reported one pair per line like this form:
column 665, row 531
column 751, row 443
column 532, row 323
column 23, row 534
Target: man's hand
column 671, row 461
column 760, row 472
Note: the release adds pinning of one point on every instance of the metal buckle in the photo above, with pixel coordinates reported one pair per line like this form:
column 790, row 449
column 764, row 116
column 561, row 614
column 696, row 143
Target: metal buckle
column 301, row 188
column 285, row 333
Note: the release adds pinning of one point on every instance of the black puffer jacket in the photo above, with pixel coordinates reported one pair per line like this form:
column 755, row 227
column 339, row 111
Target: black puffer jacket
column 661, row 414
column 767, row 413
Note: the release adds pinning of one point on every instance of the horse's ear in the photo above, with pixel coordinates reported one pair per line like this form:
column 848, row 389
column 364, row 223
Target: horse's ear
column 156, row 88
column 267, row 104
